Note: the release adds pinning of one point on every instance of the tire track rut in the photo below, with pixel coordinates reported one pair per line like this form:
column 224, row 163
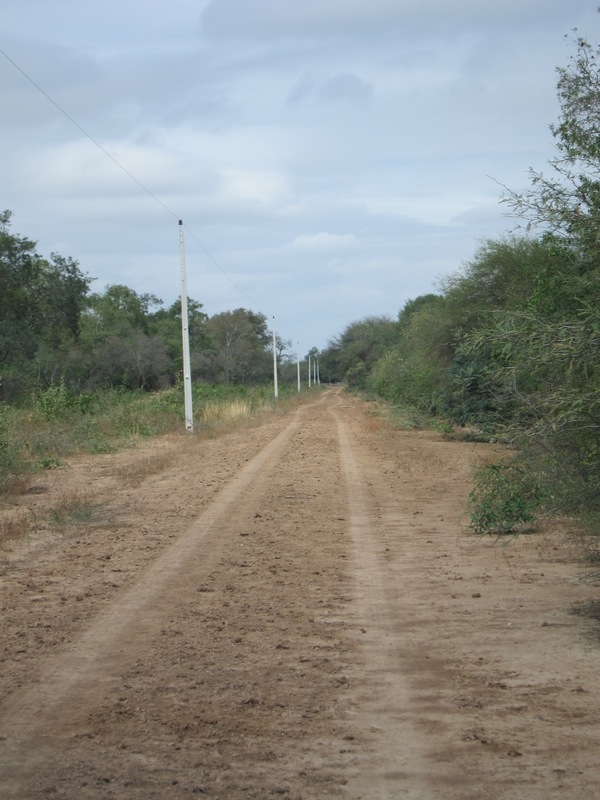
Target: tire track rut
column 397, row 764
column 107, row 646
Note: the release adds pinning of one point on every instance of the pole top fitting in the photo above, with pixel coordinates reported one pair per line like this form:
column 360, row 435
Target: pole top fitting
column 181, row 222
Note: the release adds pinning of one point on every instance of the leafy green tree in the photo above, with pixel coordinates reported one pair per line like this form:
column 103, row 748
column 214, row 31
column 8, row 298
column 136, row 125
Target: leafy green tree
column 503, row 274
column 331, row 364
column 40, row 307
column 19, row 270
column 134, row 362
column 414, row 370
column 351, row 356
column 120, row 333
column 117, row 311
column 240, row 347
column 507, row 277
column 567, row 201
column 166, row 323
column 412, row 307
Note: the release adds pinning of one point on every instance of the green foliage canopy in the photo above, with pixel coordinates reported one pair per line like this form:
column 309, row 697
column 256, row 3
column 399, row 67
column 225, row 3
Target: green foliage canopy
column 41, row 302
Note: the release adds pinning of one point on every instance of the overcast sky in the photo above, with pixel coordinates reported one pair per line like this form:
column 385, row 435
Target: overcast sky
column 330, row 159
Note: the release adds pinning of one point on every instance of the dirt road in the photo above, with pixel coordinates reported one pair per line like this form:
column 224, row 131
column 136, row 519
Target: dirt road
column 292, row 610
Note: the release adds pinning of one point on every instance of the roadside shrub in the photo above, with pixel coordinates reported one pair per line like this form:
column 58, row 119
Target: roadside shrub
column 58, row 402
column 504, row 497
column 53, row 401
column 11, row 464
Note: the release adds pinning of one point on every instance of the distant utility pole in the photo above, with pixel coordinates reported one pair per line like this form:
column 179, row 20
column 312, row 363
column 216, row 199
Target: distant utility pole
column 275, row 384
column 185, row 336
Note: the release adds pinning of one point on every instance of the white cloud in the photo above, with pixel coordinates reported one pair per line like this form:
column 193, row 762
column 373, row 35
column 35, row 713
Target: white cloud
column 256, row 189
column 324, row 242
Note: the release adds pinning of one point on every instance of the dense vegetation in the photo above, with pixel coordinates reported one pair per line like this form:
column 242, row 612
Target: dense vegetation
column 54, row 331
column 510, row 345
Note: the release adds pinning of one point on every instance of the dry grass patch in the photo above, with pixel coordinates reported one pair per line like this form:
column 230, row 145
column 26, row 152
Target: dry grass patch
column 14, row 524
column 135, row 473
column 224, row 412
column 76, row 508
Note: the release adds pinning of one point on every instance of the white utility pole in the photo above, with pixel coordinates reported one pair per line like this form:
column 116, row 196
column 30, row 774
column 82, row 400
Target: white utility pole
column 275, row 385
column 185, row 336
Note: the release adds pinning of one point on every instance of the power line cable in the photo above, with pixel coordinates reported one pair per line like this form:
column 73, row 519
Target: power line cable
column 85, row 133
column 122, row 168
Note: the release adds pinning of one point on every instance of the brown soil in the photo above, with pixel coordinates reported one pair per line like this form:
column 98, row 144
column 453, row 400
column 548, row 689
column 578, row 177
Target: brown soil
column 298, row 610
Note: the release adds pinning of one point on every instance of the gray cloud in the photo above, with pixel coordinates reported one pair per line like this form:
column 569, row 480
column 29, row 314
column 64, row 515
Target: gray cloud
column 332, row 157
column 356, row 18
column 347, row 87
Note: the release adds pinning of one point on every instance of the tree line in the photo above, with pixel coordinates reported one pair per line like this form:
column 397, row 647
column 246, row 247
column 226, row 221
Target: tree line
column 54, row 330
column 509, row 347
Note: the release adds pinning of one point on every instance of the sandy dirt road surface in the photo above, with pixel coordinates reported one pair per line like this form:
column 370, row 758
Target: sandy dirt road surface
column 295, row 609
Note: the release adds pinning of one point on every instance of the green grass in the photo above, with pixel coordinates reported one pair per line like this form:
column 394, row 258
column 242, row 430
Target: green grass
column 56, row 423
